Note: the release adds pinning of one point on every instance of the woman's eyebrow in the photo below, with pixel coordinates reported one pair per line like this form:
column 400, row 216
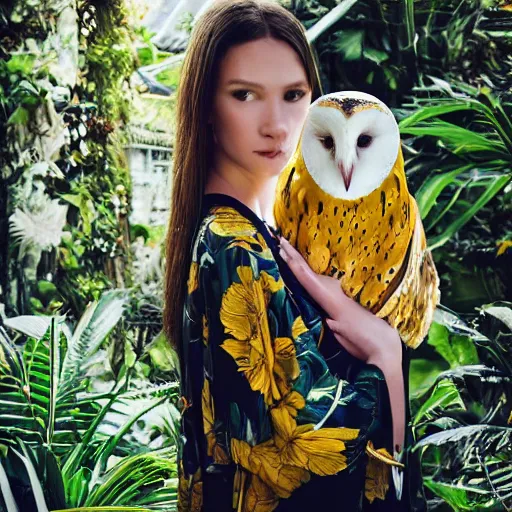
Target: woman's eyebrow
column 300, row 83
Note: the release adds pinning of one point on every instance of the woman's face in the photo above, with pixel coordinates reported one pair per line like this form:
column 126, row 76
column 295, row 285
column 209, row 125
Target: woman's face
column 264, row 115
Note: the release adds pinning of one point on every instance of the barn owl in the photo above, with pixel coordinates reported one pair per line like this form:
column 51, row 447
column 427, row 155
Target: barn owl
column 342, row 201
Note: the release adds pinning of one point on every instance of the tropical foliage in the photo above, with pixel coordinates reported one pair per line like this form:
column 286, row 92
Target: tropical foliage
column 74, row 431
column 464, row 418
column 86, row 400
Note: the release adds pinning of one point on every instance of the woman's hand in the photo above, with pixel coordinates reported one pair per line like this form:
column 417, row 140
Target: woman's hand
column 362, row 334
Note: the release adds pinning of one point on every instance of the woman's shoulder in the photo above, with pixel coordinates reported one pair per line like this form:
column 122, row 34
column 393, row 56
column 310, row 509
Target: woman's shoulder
column 224, row 228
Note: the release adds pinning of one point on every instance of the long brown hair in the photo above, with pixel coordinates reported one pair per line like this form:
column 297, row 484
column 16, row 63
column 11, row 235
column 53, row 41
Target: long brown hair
column 224, row 24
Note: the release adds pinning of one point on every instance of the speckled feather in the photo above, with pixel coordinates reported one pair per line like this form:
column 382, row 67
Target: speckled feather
column 375, row 245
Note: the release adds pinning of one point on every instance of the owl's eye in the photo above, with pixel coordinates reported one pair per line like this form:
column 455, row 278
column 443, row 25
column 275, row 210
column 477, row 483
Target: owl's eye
column 327, row 142
column 363, row 141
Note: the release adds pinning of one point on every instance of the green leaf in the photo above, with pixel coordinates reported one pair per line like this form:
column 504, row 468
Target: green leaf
column 106, row 509
column 492, row 189
column 162, row 355
column 377, row 56
column 20, row 116
column 86, row 206
column 33, row 326
column 427, row 113
column 350, row 44
column 431, row 188
column 132, row 477
column 391, row 79
column 35, row 484
column 77, row 487
column 445, row 396
column 458, row 139
column 456, row 349
column 129, row 354
column 92, row 329
column 423, row 373
column 469, row 466
column 455, row 495
column 502, row 313
column 21, row 63
column 47, row 291
column 7, row 494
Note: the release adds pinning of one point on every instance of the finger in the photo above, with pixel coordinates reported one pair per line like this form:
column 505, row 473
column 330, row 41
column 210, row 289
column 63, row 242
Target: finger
column 301, row 269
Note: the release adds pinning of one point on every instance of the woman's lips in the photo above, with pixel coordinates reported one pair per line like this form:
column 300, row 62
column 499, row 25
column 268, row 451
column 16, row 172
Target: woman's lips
column 269, row 154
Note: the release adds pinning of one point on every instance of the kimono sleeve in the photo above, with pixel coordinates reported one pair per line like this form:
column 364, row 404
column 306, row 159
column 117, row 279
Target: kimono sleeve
column 275, row 409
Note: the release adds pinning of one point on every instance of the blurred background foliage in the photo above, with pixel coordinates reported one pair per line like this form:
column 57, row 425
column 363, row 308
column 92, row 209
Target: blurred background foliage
column 88, row 384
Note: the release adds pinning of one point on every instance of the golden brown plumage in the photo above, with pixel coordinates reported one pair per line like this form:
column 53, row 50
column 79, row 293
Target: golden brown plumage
column 374, row 244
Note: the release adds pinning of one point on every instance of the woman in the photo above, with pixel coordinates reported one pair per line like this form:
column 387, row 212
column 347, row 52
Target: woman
column 277, row 412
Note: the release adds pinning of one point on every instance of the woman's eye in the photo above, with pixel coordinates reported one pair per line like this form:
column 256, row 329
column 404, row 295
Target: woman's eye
column 363, row 141
column 241, row 94
column 301, row 93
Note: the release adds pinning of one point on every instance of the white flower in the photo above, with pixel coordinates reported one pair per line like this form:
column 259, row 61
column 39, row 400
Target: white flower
column 41, row 228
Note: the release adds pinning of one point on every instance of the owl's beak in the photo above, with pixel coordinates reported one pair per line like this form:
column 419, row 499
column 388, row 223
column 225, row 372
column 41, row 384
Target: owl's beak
column 347, row 176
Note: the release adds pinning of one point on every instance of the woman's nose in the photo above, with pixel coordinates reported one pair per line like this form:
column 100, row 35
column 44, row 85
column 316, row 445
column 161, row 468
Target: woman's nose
column 274, row 122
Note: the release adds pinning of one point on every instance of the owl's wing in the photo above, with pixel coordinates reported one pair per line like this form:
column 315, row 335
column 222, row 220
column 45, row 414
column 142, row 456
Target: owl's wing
column 410, row 309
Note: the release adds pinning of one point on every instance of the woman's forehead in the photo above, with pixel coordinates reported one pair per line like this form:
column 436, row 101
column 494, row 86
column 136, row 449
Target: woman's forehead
column 263, row 62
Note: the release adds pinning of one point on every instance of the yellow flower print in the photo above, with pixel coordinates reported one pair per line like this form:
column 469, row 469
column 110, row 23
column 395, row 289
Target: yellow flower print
column 228, row 222
column 377, row 479
column 318, row 451
column 259, row 496
column 214, row 449
column 244, row 316
column 288, row 367
column 205, row 329
column 253, row 243
column 293, row 402
column 503, row 246
column 264, row 460
column 190, row 491
column 298, row 327
column 193, row 282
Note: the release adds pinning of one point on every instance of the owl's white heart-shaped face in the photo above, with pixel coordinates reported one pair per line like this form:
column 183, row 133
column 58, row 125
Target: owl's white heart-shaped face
column 350, row 142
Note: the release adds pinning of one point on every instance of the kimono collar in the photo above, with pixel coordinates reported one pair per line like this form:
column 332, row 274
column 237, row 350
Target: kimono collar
column 267, row 231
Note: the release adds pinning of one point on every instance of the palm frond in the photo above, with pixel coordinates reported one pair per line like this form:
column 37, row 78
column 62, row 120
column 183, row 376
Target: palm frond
column 92, row 329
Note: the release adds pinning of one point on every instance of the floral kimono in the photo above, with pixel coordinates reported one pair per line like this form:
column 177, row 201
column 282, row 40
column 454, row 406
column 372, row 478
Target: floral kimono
column 276, row 415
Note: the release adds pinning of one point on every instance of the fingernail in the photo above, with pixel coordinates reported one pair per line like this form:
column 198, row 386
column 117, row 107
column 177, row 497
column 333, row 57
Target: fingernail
column 283, row 254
